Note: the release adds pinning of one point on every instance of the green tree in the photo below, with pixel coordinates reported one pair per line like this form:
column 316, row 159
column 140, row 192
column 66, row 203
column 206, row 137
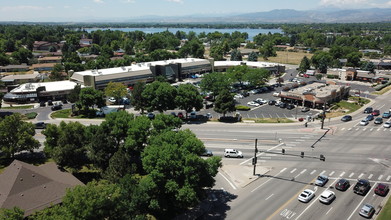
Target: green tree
column 188, row 98
column 177, row 174
column 319, row 76
column 66, row 144
column 323, row 65
column 257, row 77
column 89, row 97
column 215, row 82
column 217, row 53
column 304, row 65
column 192, row 48
column 368, row 66
column 267, row 50
column 253, row 56
column 354, row 59
column 137, row 135
column 117, row 125
column 159, row 96
column 137, row 98
column 224, row 103
column 120, row 164
column 16, row 135
column 164, row 122
column 237, row 73
column 236, row 55
column 12, row 214
column 57, row 73
column 116, row 90
column 73, row 96
column 22, row 55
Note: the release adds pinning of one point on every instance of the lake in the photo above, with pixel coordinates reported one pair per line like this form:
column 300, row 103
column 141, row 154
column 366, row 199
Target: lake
column 251, row 32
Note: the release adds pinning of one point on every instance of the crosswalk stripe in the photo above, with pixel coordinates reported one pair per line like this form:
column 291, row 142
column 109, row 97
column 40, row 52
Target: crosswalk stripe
column 351, row 175
column 361, row 175
column 303, row 171
column 349, row 129
column 283, row 170
column 370, row 176
column 331, row 173
column 324, row 171
column 388, row 178
column 380, row 177
column 357, row 129
column 371, row 129
column 293, row 170
column 364, row 129
column 343, row 173
column 378, row 129
column 313, row 172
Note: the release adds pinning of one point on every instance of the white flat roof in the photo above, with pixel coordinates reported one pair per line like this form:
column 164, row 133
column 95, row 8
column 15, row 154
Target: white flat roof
column 49, row 86
column 248, row 63
column 115, row 70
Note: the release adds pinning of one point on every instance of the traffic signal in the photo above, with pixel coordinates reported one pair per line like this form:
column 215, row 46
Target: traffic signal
column 302, row 154
column 254, row 160
column 283, row 151
column 322, row 157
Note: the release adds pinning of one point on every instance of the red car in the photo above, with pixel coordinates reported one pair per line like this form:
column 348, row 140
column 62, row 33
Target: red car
column 180, row 115
column 376, row 112
column 306, row 76
column 381, row 189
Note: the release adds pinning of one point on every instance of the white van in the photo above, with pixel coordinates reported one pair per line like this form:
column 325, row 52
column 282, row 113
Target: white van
column 233, row 153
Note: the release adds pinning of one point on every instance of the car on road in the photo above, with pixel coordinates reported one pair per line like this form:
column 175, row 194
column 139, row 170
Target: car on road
column 272, row 102
column 233, row 153
column 193, row 115
column 306, row 195
column 368, row 110
column 342, row 184
column 387, row 124
column 376, row 112
column 207, row 153
column 378, row 121
column 321, row 180
column 364, row 122
column 253, row 103
column 56, row 107
column 327, row 197
column 370, row 117
column 346, row 118
column 362, row 187
column 381, row 189
column 305, row 109
column 367, row 211
column 40, row 125
column 386, row 115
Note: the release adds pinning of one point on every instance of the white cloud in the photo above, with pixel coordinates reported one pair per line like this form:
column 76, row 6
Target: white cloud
column 98, row 1
column 22, row 7
column 344, row 3
column 129, row 1
column 176, row 1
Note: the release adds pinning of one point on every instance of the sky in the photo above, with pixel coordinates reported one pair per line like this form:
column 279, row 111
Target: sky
column 89, row 10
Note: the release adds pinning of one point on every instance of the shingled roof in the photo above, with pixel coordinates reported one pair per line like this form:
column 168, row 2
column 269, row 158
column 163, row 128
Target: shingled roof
column 33, row 188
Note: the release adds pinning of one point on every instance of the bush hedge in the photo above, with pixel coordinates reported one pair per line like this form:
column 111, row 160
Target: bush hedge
column 382, row 86
column 31, row 115
column 242, row 108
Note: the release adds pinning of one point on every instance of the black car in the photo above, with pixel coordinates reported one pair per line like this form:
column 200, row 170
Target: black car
column 362, row 187
column 342, row 184
column 50, row 102
column 378, row 120
column 42, row 104
column 282, row 105
column 56, row 107
column 346, row 118
column 370, row 117
column 40, row 125
column 272, row 102
column 290, row 106
column 245, row 94
column 368, row 110
column 150, row 115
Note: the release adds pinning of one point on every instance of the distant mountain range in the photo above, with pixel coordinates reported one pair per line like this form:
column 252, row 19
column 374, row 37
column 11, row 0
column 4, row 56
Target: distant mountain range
column 280, row 16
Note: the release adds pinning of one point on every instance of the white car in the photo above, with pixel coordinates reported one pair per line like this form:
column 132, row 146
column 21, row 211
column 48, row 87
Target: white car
column 387, row 124
column 306, row 195
column 238, row 96
column 259, row 100
column 327, row 197
column 276, row 94
column 112, row 100
column 233, row 153
column 364, row 122
column 252, row 103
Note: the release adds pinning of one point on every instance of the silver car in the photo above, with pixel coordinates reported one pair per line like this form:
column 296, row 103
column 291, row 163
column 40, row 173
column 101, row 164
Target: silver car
column 321, row 180
column 367, row 210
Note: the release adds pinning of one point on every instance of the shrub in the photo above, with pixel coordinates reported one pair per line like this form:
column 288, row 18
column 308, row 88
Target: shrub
column 31, row 115
column 329, row 76
column 382, row 86
column 242, row 108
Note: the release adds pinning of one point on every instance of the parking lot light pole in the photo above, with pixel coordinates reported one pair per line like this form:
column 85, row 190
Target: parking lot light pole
column 255, row 156
column 323, row 115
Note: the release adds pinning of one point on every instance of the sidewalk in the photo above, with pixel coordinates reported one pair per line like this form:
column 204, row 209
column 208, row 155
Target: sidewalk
column 242, row 175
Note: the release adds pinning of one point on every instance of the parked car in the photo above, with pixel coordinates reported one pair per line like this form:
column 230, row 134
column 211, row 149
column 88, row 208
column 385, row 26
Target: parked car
column 180, row 115
column 362, row 187
column 367, row 211
column 305, row 109
column 327, row 197
column 260, row 101
column 386, row 115
column 306, row 195
column 378, row 121
column 346, row 118
column 150, row 115
column 56, row 107
column 282, row 105
column 342, row 184
column 112, row 100
column 252, row 103
column 233, row 153
column 50, row 102
column 387, row 124
column 364, row 122
column 40, row 125
column 245, row 94
column 368, row 110
column 382, row 189
column 321, row 180
column 376, row 112
column 42, row 104
column 193, row 115
column 272, row 102
column 370, row 117
column 276, row 94
column 238, row 96
column 290, row 106
column 207, row 153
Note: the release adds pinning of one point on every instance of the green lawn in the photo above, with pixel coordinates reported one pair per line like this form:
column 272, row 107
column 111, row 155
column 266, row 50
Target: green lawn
column 64, row 113
column 19, row 107
column 385, row 213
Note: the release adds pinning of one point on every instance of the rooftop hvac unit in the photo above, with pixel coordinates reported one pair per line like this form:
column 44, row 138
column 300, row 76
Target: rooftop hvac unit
column 129, row 69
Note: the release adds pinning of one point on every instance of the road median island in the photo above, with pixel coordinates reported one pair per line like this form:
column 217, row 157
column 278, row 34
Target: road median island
column 242, row 176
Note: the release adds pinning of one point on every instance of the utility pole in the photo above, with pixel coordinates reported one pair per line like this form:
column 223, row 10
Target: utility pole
column 323, row 114
column 255, row 156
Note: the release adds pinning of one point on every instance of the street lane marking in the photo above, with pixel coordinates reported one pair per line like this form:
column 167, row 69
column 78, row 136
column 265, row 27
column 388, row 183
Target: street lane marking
column 329, row 210
column 357, row 129
column 300, row 140
column 361, row 175
column 269, row 197
column 261, row 153
column 343, row 173
column 370, row 176
column 380, row 177
column 331, row 173
column 351, row 175
column 313, row 172
column 230, row 183
column 268, row 180
column 303, row 171
column 354, row 211
column 293, row 170
column 315, row 200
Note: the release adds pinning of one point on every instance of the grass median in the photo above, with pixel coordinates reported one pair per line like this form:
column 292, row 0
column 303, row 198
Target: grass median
column 385, row 213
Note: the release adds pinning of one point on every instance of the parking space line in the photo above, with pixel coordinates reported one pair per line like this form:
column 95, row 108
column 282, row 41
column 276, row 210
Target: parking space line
column 354, row 211
column 331, row 173
column 380, row 177
column 343, row 173
column 388, row 178
column 329, row 210
column 357, row 129
column 349, row 129
column 293, row 170
column 370, row 176
column 378, row 129
column 324, row 171
column 313, row 172
column 351, row 175
column 360, row 175
column 269, row 197
column 342, row 129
